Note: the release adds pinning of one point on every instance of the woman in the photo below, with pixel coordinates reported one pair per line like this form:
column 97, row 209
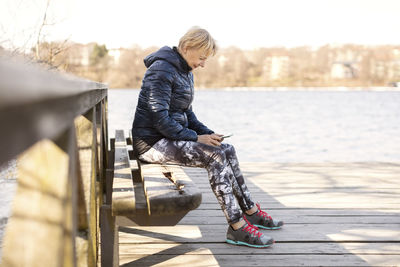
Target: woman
column 165, row 130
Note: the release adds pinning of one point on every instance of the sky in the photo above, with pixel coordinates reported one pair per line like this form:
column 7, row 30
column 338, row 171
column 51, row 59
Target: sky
column 247, row 24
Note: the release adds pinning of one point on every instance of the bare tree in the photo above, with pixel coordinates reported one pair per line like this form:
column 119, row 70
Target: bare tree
column 36, row 46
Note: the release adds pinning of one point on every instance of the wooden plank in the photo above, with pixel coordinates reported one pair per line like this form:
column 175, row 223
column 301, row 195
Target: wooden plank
column 278, row 249
column 258, row 260
column 87, row 158
column 296, row 181
column 265, row 188
column 109, row 238
column 100, row 153
column 308, row 205
column 165, row 197
column 297, row 219
column 23, row 126
column 127, row 197
column 43, row 186
column 309, row 212
column 23, row 82
column 109, row 175
column 322, row 195
column 106, row 145
column 294, row 232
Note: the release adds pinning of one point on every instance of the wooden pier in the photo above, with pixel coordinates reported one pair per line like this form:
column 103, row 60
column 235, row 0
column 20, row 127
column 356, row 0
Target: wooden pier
column 336, row 214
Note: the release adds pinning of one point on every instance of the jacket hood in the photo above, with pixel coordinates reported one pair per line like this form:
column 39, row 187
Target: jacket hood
column 171, row 55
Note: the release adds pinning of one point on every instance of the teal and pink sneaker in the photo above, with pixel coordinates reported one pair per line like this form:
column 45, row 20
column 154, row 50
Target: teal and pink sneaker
column 262, row 220
column 248, row 235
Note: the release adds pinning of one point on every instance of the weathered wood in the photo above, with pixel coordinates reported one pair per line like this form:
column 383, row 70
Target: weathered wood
column 22, row 126
column 24, row 82
column 258, row 260
column 86, row 137
column 292, row 232
column 109, row 172
column 165, row 197
column 331, row 248
column 43, row 186
column 155, row 200
column 317, row 231
column 214, row 217
column 124, row 201
column 55, row 212
column 307, row 205
column 310, row 212
column 101, row 152
column 109, row 238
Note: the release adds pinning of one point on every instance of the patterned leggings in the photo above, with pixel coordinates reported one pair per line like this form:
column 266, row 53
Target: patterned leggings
column 221, row 163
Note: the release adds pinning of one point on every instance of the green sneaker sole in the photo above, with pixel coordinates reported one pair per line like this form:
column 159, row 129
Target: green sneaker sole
column 240, row 243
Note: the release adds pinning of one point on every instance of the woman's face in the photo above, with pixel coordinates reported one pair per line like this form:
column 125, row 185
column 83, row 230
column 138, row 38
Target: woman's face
column 194, row 57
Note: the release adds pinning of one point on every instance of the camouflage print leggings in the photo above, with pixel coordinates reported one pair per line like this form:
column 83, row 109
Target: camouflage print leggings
column 221, row 163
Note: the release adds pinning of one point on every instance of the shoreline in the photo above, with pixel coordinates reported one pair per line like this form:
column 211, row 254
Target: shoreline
column 293, row 89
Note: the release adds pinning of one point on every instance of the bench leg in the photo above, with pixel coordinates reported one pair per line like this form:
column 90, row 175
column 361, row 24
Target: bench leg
column 109, row 238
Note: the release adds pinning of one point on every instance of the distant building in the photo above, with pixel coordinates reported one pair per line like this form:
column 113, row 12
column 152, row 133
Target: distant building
column 85, row 56
column 394, row 68
column 79, row 54
column 344, row 70
column 378, row 69
column 276, row 67
column 115, row 54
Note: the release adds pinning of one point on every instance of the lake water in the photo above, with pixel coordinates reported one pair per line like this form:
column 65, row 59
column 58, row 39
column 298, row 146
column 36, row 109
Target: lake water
column 291, row 126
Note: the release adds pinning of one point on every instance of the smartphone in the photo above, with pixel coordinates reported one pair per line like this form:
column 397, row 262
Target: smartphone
column 226, row 136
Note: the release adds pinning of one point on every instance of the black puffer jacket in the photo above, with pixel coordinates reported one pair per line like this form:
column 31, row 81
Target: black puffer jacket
column 164, row 107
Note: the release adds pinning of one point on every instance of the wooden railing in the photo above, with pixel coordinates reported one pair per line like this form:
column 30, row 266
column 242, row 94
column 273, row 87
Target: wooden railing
column 56, row 127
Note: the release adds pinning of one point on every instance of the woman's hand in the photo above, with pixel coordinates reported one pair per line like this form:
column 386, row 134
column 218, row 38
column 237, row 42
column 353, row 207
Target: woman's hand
column 210, row 139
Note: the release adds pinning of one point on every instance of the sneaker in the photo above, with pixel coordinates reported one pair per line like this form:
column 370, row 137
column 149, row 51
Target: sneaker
column 248, row 235
column 262, row 220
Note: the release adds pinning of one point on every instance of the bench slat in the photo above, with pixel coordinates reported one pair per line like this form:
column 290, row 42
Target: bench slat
column 125, row 193
column 163, row 196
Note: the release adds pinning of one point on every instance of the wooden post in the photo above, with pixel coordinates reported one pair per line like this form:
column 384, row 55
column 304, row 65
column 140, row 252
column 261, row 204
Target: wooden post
column 41, row 231
column 109, row 238
column 86, row 137
column 57, row 127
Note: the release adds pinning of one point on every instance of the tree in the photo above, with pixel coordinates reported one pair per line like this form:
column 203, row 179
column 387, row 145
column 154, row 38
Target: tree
column 98, row 63
column 98, row 55
column 35, row 46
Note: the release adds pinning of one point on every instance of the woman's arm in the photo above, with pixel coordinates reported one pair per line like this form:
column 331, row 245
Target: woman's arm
column 195, row 124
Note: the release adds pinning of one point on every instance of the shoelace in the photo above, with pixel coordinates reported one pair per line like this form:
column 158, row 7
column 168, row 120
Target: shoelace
column 262, row 213
column 249, row 223
column 252, row 230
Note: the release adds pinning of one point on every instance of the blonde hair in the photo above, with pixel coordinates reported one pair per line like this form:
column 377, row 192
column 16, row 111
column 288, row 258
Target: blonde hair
column 198, row 38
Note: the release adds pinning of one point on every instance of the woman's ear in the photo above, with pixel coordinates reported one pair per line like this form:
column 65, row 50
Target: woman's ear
column 184, row 49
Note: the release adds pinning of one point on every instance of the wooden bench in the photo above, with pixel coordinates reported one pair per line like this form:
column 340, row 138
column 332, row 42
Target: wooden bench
column 143, row 194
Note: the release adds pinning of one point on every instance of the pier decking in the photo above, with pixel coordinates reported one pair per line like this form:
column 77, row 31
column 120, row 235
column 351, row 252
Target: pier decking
column 336, row 215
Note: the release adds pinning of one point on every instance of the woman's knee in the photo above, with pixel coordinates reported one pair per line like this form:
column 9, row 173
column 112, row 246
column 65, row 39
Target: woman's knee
column 218, row 156
column 229, row 150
